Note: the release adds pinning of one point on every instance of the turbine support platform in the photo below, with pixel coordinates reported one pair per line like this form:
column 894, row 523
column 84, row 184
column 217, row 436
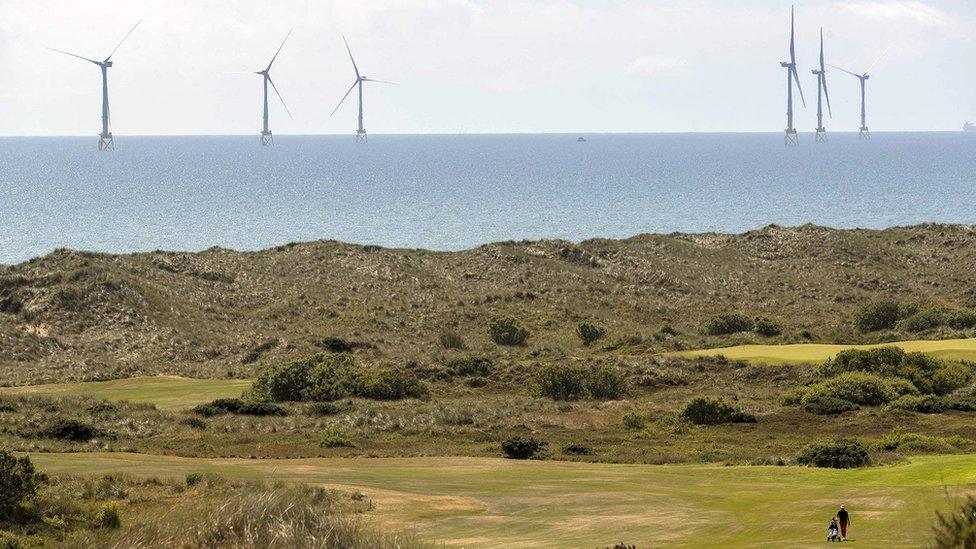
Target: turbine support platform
column 267, row 139
column 791, row 139
column 361, row 136
column 821, row 135
column 105, row 142
column 865, row 133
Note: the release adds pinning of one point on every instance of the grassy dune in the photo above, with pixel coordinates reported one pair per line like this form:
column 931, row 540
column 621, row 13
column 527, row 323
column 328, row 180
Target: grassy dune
column 959, row 349
column 477, row 502
column 166, row 392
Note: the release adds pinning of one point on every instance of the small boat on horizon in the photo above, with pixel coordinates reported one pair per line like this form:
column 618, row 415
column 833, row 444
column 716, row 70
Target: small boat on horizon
column 581, row 139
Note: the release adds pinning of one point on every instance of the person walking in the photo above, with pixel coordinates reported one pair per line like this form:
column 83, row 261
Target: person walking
column 844, row 520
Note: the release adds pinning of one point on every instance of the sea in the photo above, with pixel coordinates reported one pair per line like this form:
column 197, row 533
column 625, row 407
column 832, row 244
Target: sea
column 450, row 192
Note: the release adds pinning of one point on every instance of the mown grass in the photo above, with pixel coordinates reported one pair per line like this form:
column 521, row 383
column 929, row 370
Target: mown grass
column 165, row 392
column 476, row 502
column 955, row 349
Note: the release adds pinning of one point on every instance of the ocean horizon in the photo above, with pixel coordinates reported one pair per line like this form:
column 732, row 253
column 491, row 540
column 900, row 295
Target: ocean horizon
column 457, row 191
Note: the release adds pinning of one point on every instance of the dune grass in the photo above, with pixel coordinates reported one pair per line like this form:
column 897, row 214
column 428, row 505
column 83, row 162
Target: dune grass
column 479, row 502
column 957, row 349
column 166, row 392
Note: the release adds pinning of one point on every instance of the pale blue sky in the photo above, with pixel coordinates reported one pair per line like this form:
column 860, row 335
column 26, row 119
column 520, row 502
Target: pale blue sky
column 481, row 66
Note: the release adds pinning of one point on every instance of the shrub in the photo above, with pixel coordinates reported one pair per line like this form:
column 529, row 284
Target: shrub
column 882, row 315
column 194, row 423
column 327, row 377
column 335, row 438
column 950, row 377
column 606, row 383
column 523, row 448
column 449, row 339
column 239, row 406
column 728, row 323
column 822, row 404
column 838, row 454
column 324, row 409
column 766, row 327
column 713, row 411
column 470, row 366
column 577, row 449
column 961, row 320
column 18, row 481
column 921, row 321
column 856, row 387
column 633, row 421
column 262, row 409
column 255, row 353
column 914, row 443
column 560, row 382
column 589, row 333
column 72, row 430
column 336, row 345
column 958, row 529
column 925, row 404
column 193, row 479
column 108, row 516
column 507, row 331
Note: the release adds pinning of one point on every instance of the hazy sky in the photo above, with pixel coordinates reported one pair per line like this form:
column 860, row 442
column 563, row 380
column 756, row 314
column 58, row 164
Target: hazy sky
column 480, row 66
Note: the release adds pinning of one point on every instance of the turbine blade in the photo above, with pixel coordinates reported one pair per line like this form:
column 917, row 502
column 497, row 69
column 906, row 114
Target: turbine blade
column 798, row 86
column 73, row 55
column 279, row 50
column 821, row 50
column 344, row 98
column 793, row 34
column 380, row 81
column 827, row 94
column 876, row 61
column 844, row 70
column 354, row 67
column 124, row 38
column 280, row 98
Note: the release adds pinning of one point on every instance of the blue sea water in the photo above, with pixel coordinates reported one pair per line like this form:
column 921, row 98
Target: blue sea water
column 457, row 191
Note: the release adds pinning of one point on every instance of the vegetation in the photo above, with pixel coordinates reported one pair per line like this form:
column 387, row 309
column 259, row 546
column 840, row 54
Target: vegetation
column 728, row 323
column 838, row 454
column 523, row 447
column 713, row 411
column 590, row 333
column 19, row 482
column 505, row 330
column 957, row 529
column 574, row 382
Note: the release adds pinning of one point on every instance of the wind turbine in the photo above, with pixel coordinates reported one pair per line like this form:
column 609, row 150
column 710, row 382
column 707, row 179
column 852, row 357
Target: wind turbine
column 791, row 76
column 105, row 138
column 865, row 133
column 822, row 93
column 266, row 137
column 361, row 132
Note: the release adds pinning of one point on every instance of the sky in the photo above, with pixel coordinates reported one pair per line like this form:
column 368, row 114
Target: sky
column 481, row 66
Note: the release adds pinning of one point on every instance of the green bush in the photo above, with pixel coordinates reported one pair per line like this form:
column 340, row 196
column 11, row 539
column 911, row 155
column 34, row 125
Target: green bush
column 108, row 516
column 925, row 404
column 859, row 388
column 882, row 315
column 633, row 421
column 713, row 411
column 334, row 438
column 957, row 530
column 766, row 327
column 239, row 406
column 728, row 323
column 914, row 443
column 18, row 481
column 506, row 330
column 838, row 454
column 573, row 382
column 72, row 430
column 193, row 479
column 589, row 333
column 921, row 321
column 606, row 383
column 328, row 377
column 523, row 447
column 891, row 362
column 577, row 449
column 470, row 366
column 324, row 409
column 824, row 405
column 961, row 319
column 950, row 377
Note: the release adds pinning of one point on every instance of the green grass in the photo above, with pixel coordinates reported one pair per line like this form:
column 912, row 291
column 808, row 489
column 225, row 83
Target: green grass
column 479, row 502
column 166, row 392
column 958, row 349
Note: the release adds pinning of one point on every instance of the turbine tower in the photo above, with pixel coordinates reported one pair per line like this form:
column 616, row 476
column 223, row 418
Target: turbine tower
column 822, row 93
column 105, row 142
column 360, row 132
column 864, row 133
column 792, row 76
column 266, row 137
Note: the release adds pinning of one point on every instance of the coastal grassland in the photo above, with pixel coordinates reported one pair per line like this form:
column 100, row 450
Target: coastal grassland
column 164, row 392
column 79, row 316
column 477, row 502
column 953, row 349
